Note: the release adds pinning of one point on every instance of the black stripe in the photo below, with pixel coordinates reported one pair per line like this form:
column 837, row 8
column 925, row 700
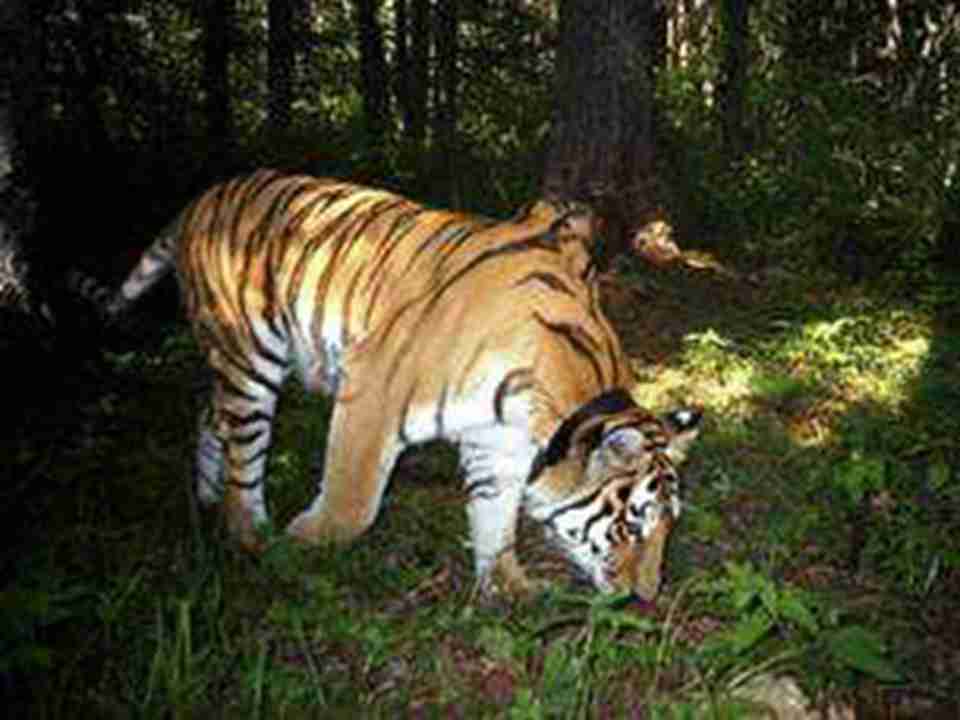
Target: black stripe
column 248, row 418
column 607, row 403
column 467, row 369
column 538, row 242
column 244, row 439
column 252, row 375
column 549, row 279
column 246, row 485
column 344, row 236
column 448, row 229
column 382, row 273
column 484, row 482
column 578, row 340
column 229, row 386
column 440, row 409
column 515, row 382
column 402, row 431
column 583, row 502
column 604, row 511
column 261, row 453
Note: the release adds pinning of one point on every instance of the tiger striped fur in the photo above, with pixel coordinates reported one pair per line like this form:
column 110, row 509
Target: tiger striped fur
column 422, row 324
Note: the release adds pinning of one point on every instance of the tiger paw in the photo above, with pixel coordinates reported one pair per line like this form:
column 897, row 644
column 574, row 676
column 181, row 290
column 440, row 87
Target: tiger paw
column 250, row 539
column 316, row 529
column 508, row 578
column 251, row 536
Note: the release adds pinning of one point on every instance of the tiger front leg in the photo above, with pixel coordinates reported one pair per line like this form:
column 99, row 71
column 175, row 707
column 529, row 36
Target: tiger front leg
column 360, row 455
column 493, row 514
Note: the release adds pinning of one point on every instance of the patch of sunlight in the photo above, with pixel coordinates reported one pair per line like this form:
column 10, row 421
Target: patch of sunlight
column 911, row 350
column 892, row 381
column 719, row 391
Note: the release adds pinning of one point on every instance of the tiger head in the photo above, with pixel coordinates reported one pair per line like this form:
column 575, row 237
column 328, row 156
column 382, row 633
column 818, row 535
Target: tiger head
column 619, row 494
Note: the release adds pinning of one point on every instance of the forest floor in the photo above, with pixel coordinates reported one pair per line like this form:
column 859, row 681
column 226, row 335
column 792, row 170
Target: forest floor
column 817, row 559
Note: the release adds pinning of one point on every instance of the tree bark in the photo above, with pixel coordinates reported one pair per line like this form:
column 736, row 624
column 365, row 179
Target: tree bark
column 602, row 143
column 281, row 53
column 401, row 66
column 418, row 84
column 373, row 76
column 217, row 21
column 19, row 95
column 447, row 80
column 733, row 84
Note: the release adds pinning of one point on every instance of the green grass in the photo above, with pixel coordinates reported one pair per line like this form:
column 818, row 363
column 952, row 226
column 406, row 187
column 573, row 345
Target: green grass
column 820, row 542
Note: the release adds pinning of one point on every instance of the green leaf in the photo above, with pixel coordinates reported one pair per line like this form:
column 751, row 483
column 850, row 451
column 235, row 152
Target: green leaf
column 938, row 473
column 863, row 650
column 795, row 610
column 624, row 620
column 749, row 631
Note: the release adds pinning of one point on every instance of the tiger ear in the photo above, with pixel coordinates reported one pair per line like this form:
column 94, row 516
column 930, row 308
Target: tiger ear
column 587, row 438
column 683, row 425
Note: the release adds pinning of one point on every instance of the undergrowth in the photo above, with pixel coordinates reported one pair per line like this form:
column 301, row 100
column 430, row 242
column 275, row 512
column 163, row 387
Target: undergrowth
column 819, row 543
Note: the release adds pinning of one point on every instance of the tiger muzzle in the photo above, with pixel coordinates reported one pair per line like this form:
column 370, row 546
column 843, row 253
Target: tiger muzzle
column 646, row 572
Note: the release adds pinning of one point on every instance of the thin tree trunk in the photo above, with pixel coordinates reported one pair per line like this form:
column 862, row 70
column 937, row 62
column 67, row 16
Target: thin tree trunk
column 401, row 67
column 374, row 79
column 418, row 87
column 21, row 34
column 733, row 88
column 280, row 64
column 602, row 147
column 447, row 81
column 217, row 21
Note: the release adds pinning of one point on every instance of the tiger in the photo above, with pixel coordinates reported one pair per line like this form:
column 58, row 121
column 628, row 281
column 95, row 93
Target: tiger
column 422, row 324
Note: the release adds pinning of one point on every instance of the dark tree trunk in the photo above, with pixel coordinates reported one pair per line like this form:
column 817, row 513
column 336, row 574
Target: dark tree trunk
column 96, row 53
column 418, row 85
column 16, row 216
column 447, row 81
column 659, row 20
column 401, row 69
column 602, row 144
column 373, row 76
column 281, row 53
column 217, row 21
column 20, row 73
column 733, row 82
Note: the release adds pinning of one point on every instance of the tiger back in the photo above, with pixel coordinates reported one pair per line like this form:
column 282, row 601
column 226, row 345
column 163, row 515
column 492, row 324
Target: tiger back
column 422, row 324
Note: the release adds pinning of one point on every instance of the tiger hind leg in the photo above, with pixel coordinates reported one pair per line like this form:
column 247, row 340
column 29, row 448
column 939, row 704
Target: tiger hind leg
column 234, row 442
column 209, row 459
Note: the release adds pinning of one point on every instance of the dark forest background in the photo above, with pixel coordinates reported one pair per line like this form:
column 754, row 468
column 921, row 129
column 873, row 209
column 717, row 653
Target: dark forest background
column 728, row 117
column 780, row 187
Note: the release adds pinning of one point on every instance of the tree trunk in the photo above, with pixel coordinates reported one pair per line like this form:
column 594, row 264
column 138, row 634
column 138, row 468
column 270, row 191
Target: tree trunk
column 19, row 96
column 373, row 78
column 401, row 66
column 602, row 145
column 447, row 81
column 280, row 64
column 217, row 21
column 418, row 86
column 733, row 83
